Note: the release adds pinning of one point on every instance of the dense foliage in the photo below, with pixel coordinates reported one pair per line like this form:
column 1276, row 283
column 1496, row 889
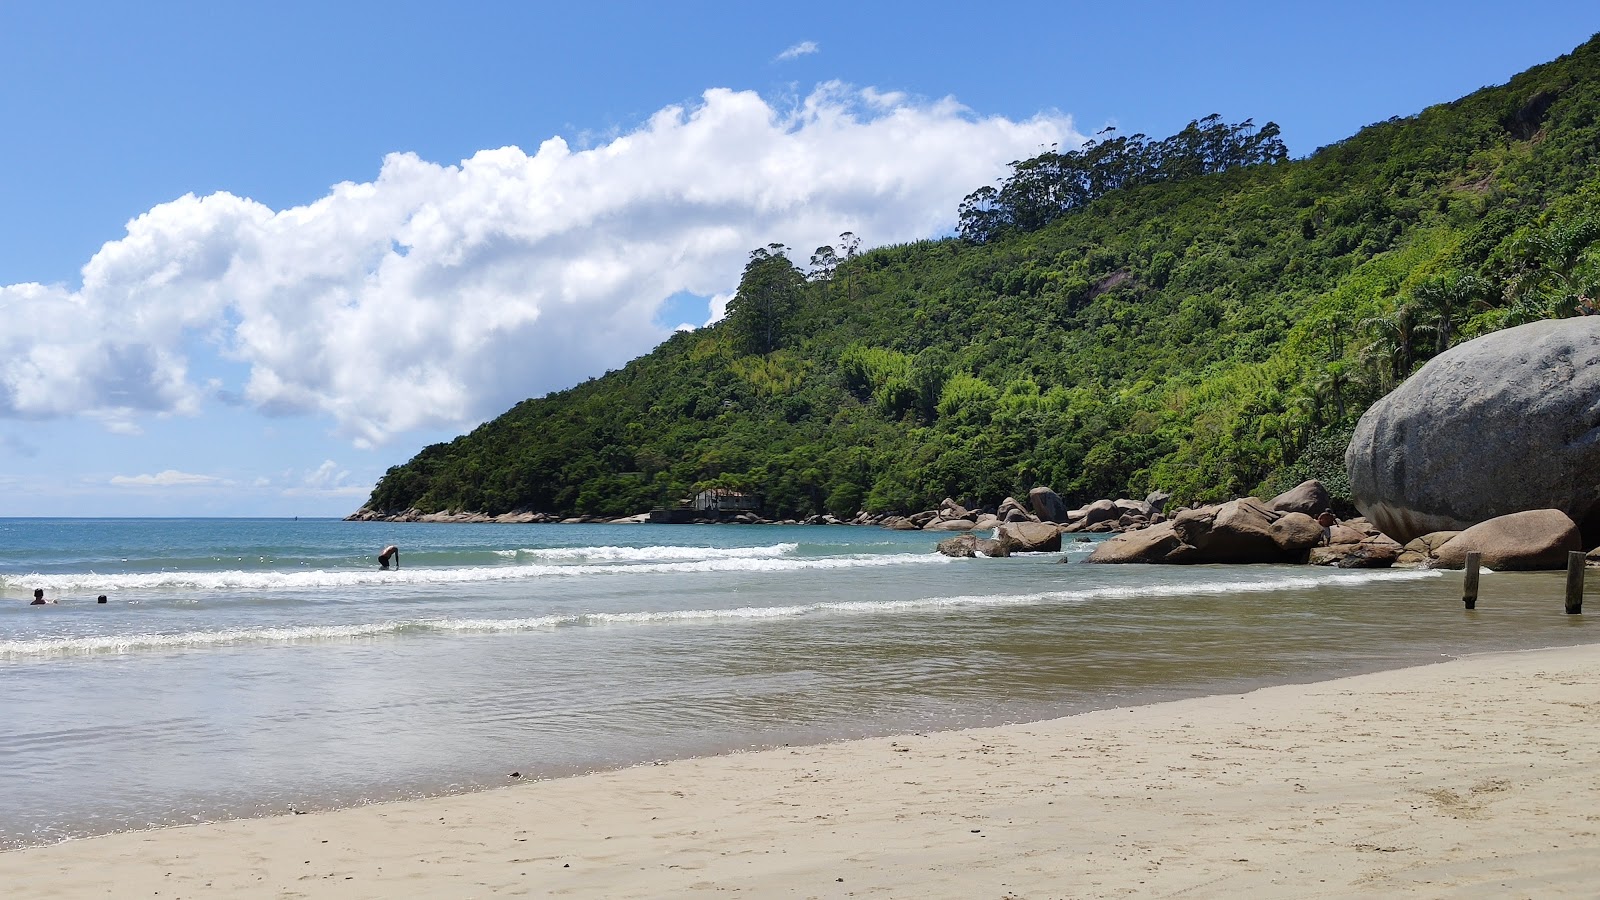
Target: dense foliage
column 1211, row 330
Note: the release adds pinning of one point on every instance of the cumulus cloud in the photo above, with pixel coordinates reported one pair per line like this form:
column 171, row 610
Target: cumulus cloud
column 326, row 480
column 804, row 48
column 435, row 296
column 169, row 478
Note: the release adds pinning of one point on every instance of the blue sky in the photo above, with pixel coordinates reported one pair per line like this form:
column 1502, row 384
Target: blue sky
column 252, row 255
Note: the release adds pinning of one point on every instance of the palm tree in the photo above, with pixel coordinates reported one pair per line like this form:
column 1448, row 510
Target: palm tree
column 1555, row 280
column 1444, row 298
column 1394, row 339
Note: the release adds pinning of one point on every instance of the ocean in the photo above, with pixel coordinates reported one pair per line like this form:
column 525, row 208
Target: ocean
column 248, row 667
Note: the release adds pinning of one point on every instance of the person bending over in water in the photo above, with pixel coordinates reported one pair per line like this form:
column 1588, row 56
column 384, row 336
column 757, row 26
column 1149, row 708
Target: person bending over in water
column 38, row 598
column 389, row 553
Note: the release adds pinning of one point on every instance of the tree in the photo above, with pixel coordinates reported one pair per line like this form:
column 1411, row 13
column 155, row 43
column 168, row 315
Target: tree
column 769, row 291
column 1445, row 298
column 1558, row 276
column 824, row 260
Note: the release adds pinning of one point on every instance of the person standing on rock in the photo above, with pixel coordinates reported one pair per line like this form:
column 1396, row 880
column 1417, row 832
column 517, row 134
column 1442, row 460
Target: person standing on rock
column 1327, row 520
column 390, row 553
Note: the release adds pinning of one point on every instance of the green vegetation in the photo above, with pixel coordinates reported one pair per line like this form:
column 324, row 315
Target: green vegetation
column 1199, row 314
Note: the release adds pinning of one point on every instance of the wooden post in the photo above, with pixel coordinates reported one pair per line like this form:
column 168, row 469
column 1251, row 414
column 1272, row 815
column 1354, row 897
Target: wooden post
column 1575, row 563
column 1469, row 587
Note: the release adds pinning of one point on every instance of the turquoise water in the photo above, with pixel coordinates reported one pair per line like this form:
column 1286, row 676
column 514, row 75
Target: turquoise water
column 244, row 667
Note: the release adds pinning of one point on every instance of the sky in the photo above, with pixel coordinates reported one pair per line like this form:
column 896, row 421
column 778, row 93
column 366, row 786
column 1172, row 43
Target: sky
column 252, row 255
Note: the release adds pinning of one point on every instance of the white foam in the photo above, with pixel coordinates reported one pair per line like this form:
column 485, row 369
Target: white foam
column 198, row 639
column 335, row 578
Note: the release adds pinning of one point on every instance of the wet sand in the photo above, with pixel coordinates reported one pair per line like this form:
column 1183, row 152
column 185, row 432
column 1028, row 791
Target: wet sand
column 1472, row 777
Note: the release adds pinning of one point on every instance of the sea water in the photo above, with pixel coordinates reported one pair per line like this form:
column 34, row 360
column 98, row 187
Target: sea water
column 249, row 667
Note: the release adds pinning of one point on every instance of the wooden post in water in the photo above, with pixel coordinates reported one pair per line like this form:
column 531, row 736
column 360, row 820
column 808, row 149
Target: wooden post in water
column 1575, row 573
column 1469, row 587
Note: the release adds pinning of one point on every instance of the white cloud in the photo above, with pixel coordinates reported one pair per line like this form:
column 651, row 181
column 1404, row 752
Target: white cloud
column 436, row 296
column 168, row 478
column 804, row 48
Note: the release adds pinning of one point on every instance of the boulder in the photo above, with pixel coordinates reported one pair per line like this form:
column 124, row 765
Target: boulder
column 1344, row 533
column 1501, row 424
column 985, row 522
column 921, row 519
column 1308, row 497
column 950, row 509
column 1536, row 539
column 1148, row 545
column 1296, row 531
column 1158, row 500
column 1371, row 555
column 1239, row 531
column 970, row 545
column 1029, row 537
column 1047, row 505
column 898, row 523
column 1134, row 508
column 950, row 525
column 1013, row 511
column 1097, row 512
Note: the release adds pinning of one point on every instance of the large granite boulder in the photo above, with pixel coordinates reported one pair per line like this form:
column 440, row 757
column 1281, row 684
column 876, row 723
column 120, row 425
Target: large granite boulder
column 1155, row 544
column 1047, row 505
column 1308, row 497
column 1095, row 513
column 1012, row 511
column 1029, row 537
column 1504, row 423
column 1536, row 539
column 951, row 525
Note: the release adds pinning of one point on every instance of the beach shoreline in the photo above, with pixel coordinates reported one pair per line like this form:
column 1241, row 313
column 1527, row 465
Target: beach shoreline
column 1461, row 778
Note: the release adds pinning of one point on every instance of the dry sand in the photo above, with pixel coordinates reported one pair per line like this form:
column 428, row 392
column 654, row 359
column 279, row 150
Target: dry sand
column 1468, row 778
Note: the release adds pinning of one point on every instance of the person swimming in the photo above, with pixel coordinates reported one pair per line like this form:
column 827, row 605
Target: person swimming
column 389, row 553
column 38, row 598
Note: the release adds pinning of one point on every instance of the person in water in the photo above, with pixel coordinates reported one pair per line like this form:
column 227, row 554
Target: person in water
column 390, row 553
column 38, row 598
column 100, row 599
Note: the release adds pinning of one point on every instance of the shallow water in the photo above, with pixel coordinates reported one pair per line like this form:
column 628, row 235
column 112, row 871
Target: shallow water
column 245, row 667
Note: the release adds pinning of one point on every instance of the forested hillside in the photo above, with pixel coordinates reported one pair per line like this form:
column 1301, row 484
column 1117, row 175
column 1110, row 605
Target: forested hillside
column 1198, row 314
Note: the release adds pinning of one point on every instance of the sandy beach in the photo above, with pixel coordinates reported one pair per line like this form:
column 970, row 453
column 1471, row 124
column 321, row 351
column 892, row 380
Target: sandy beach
column 1471, row 777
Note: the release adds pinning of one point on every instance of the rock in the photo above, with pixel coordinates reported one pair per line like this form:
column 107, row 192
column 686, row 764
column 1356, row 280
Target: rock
column 1047, row 505
column 1501, row 424
column 950, row 525
column 993, row 548
column 1030, row 537
column 898, row 523
column 922, row 519
column 1158, row 500
column 960, row 546
column 1330, row 555
column 1239, row 531
column 968, row 545
column 985, row 522
column 1343, row 533
column 1296, row 531
column 950, row 509
column 1134, row 508
column 1371, row 555
column 1097, row 512
column 1536, row 539
column 1012, row 511
column 1149, row 545
column 1308, row 497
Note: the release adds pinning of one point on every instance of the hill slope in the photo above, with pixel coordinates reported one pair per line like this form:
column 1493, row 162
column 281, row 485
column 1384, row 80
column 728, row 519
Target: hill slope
column 1211, row 334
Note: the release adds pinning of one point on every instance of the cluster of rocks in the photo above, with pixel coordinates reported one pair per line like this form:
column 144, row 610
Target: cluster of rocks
column 1250, row 530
